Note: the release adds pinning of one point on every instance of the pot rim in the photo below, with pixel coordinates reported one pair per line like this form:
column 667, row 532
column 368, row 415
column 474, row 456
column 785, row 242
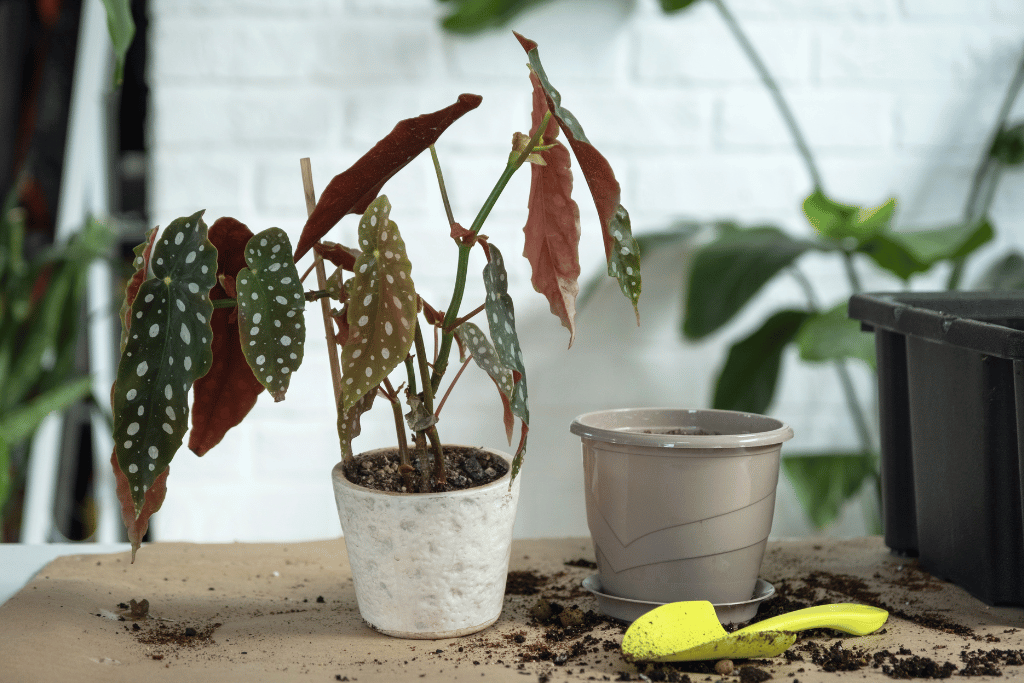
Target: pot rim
column 619, row 425
column 338, row 475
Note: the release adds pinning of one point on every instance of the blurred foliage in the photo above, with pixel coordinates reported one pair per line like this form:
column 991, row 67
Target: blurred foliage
column 40, row 314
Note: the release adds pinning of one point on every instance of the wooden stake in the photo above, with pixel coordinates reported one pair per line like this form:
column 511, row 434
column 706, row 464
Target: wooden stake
column 325, row 304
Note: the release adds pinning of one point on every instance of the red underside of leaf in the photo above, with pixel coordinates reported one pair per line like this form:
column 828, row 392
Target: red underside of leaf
column 338, row 254
column 353, row 190
column 226, row 394
column 553, row 224
column 138, row 524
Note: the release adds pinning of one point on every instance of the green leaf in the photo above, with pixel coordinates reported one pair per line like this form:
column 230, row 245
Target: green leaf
column 501, row 320
column 832, row 335
column 669, row 6
column 381, row 308
column 906, row 253
column 168, row 348
column 473, row 16
column 1007, row 273
column 824, row 483
column 841, row 221
column 472, row 339
column 349, row 423
column 649, row 243
column 1008, row 147
column 122, row 29
column 751, row 371
column 19, row 424
column 729, row 271
column 271, row 326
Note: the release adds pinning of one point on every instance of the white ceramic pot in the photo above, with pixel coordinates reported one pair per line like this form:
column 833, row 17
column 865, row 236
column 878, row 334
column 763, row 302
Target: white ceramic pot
column 680, row 516
column 428, row 565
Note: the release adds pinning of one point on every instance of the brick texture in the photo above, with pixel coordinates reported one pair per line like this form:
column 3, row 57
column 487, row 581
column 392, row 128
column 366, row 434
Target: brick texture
column 895, row 98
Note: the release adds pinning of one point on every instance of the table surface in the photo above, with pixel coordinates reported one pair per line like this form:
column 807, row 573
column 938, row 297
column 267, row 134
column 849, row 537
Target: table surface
column 283, row 612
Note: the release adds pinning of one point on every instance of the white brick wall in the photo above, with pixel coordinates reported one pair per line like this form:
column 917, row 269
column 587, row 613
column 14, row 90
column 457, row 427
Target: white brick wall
column 895, row 97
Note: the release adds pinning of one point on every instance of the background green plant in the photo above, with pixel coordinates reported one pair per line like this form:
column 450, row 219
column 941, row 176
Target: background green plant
column 41, row 300
column 733, row 263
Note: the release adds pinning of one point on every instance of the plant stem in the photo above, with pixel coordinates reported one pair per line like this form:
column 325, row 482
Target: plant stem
column 774, row 90
column 428, row 403
column 224, row 303
column 325, row 306
column 452, row 314
column 971, row 211
column 440, row 182
column 859, row 418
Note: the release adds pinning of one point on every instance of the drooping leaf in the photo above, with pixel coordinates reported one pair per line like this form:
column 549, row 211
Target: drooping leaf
column 1006, row 273
column 136, row 520
column 143, row 256
column 351, row 191
column 729, row 271
column 650, row 243
column 121, row 27
column 501, row 322
column 824, row 483
column 227, row 393
column 348, row 423
column 338, row 254
column 751, row 371
column 832, row 335
column 381, row 307
column 270, row 311
column 169, row 347
column 621, row 249
column 906, row 253
column 841, row 221
column 553, row 224
column 473, row 341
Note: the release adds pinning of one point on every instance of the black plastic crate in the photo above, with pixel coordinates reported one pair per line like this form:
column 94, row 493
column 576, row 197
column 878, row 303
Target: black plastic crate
column 951, row 405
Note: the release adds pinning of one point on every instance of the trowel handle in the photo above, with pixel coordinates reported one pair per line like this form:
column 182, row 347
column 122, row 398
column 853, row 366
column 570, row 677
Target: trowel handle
column 851, row 618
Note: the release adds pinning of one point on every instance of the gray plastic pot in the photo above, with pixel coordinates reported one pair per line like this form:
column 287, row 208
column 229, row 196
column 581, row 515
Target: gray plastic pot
column 428, row 565
column 680, row 516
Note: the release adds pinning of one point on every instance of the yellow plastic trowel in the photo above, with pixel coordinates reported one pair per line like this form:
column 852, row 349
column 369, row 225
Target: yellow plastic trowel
column 690, row 631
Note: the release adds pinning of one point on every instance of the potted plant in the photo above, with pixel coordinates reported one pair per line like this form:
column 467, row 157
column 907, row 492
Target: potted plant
column 219, row 310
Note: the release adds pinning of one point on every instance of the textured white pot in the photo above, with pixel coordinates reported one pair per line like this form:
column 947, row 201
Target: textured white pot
column 428, row 565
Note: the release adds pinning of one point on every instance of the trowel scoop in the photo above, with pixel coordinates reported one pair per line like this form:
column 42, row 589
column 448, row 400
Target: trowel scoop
column 690, row 631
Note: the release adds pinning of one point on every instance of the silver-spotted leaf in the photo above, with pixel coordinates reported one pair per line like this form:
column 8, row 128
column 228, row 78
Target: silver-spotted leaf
column 381, row 306
column 271, row 326
column 168, row 348
column 143, row 255
column 501, row 320
column 621, row 249
column 348, row 423
column 474, row 342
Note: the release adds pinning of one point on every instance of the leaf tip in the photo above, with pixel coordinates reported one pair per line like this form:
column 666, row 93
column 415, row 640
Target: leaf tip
column 525, row 42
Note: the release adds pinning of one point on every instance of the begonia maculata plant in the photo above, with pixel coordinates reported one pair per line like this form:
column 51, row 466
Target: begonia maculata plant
column 218, row 310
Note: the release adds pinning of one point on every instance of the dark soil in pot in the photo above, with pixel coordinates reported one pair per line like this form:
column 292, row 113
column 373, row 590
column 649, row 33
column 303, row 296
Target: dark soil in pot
column 465, row 467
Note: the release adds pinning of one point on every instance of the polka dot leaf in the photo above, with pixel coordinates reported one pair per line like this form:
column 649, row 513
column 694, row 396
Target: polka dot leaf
column 143, row 256
column 473, row 341
column 620, row 247
column 501, row 319
column 381, row 306
column 168, row 347
column 271, row 324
